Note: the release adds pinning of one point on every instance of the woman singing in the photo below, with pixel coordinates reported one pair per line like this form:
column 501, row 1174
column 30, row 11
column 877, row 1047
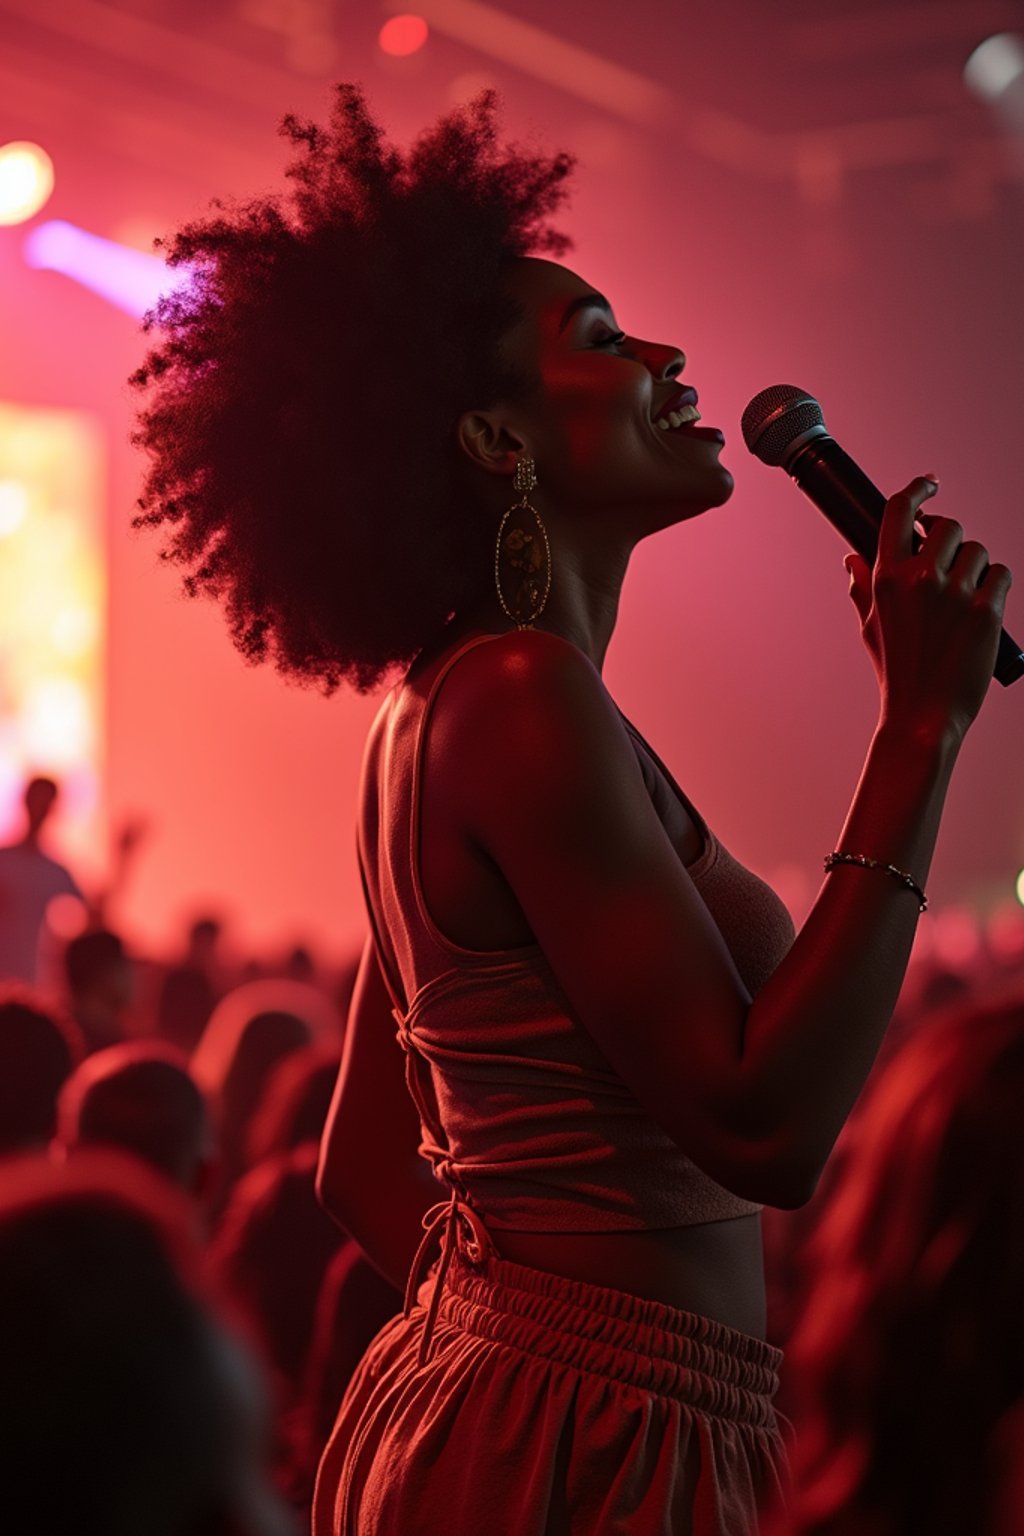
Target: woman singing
column 395, row 439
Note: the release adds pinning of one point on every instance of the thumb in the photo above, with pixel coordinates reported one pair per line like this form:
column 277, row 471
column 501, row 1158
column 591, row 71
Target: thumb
column 860, row 583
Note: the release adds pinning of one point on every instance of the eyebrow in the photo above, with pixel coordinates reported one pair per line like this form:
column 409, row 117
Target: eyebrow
column 585, row 301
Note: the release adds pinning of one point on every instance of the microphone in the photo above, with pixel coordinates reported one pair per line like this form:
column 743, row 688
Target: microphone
column 785, row 426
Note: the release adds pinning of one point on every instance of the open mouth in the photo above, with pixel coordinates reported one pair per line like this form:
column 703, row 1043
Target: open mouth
column 671, row 421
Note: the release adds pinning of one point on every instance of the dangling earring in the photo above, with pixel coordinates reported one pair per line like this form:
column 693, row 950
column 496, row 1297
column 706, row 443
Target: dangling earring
column 525, row 550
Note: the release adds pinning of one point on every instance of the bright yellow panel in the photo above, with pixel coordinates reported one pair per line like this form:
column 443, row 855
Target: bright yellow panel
column 53, row 618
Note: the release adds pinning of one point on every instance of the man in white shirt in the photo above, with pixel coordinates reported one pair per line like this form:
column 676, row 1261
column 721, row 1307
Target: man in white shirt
column 29, row 880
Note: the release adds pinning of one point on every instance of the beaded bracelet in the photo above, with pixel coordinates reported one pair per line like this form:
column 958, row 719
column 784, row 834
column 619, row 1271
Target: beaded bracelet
column 858, row 858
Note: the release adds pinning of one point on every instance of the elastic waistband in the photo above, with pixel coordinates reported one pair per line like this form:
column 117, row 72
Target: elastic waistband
column 627, row 1339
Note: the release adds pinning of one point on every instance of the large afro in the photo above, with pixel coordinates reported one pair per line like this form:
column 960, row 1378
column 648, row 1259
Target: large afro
column 300, row 402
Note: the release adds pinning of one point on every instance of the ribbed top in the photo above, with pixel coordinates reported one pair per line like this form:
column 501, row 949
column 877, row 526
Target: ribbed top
column 519, row 1108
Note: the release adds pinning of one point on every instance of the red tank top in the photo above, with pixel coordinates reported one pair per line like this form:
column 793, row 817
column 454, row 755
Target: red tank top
column 521, row 1113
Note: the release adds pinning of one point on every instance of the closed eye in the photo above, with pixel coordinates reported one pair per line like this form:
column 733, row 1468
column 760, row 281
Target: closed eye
column 613, row 339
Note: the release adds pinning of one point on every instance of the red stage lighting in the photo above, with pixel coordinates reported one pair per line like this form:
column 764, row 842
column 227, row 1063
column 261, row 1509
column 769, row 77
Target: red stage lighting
column 403, row 35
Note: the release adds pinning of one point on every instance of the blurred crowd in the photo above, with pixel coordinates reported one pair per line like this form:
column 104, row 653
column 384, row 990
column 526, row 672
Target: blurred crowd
column 179, row 1318
column 160, row 1126
column 896, row 1292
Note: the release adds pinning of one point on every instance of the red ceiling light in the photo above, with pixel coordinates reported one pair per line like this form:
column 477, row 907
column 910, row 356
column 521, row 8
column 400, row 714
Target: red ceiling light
column 403, row 35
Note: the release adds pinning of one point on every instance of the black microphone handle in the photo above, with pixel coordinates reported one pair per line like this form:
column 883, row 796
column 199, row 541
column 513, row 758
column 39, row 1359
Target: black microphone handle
column 854, row 505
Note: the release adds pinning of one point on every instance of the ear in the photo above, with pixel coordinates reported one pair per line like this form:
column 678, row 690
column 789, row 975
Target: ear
column 488, row 443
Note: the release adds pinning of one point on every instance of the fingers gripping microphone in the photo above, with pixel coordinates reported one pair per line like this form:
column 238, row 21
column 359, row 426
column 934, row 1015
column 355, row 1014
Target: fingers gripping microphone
column 784, row 426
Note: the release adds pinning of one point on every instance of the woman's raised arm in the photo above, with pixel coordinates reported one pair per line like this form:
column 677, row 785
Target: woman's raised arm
column 754, row 1090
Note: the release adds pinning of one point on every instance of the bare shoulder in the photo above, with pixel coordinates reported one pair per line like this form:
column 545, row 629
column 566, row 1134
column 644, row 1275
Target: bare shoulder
column 528, row 695
column 521, row 661
column 533, row 757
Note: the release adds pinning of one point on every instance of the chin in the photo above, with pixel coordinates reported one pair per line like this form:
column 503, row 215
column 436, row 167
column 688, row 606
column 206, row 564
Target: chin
column 713, row 492
column 727, row 486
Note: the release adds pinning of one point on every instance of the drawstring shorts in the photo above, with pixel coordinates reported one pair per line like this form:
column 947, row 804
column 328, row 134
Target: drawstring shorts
column 552, row 1407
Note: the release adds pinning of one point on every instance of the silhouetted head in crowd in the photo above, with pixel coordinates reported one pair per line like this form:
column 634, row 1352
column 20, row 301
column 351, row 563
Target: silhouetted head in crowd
column 203, row 938
column 189, row 988
column 141, row 1097
column 911, row 1350
column 250, row 1031
column 295, row 1102
column 38, row 1050
column 100, row 984
column 40, row 799
column 941, row 986
column 270, row 1251
column 299, row 964
column 126, row 1407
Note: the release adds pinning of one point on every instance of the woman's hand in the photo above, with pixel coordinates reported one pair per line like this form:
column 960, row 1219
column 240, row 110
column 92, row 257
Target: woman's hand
column 930, row 620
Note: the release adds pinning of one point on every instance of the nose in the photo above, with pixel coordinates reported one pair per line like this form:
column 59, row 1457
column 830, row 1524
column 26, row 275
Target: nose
column 666, row 363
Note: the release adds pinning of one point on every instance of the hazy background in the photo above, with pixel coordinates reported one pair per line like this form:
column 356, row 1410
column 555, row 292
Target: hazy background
column 798, row 192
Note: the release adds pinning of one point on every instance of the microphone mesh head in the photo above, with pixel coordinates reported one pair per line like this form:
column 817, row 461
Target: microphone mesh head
column 775, row 418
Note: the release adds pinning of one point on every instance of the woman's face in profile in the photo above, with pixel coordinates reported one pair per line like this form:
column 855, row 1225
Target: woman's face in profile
column 591, row 424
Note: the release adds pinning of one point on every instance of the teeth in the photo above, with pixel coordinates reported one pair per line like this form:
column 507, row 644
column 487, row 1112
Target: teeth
column 681, row 418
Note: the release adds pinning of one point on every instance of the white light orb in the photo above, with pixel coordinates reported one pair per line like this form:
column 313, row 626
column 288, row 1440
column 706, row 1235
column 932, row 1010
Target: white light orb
column 26, row 181
column 994, row 65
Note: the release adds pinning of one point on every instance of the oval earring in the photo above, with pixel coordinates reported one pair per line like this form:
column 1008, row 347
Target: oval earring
column 524, row 551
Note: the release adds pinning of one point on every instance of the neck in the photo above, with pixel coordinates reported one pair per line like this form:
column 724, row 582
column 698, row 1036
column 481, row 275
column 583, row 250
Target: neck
column 583, row 604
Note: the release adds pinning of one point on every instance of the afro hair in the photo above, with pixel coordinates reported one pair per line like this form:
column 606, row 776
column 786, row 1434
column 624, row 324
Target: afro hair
column 300, row 404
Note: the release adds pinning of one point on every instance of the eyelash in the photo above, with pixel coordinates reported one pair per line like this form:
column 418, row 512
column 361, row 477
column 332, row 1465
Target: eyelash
column 614, row 338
